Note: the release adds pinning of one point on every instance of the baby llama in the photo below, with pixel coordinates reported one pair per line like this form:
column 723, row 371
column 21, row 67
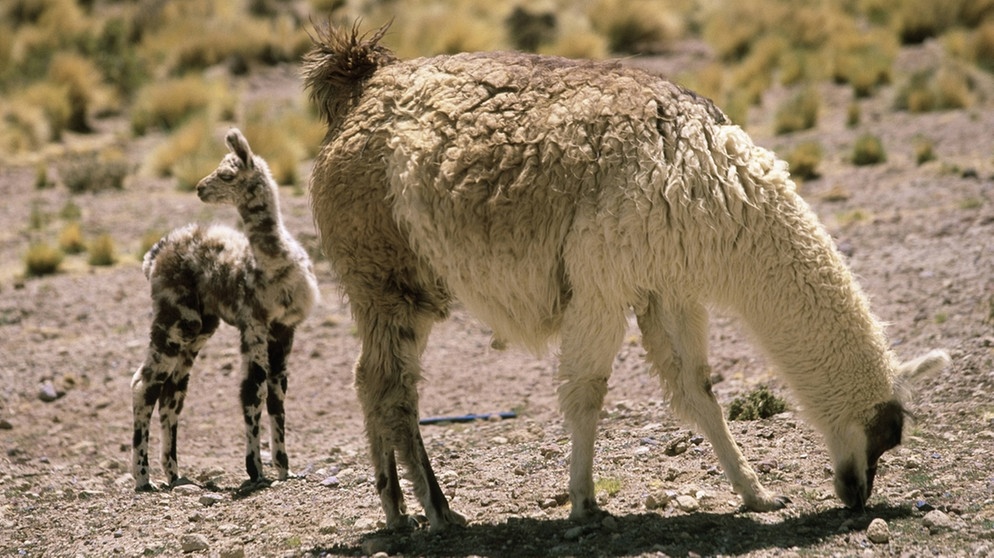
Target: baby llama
column 553, row 196
column 261, row 282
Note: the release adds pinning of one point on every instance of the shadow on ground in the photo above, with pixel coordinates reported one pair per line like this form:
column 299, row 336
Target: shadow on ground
column 702, row 533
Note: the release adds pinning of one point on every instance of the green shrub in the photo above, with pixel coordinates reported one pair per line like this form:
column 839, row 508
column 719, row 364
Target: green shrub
column 634, row 26
column 868, row 150
column 800, row 112
column 924, row 150
column 853, row 115
column 102, row 251
column 529, row 30
column 757, row 404
column 42, row 259
column 804, row 159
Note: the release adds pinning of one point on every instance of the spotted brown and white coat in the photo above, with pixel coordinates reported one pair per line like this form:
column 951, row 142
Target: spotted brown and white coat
column 262, row 282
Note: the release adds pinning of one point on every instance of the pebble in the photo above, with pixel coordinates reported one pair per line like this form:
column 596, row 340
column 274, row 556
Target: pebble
column 374, row 546
column 193, row 542
column 573, row 533
column 657, row 500
column 937, row 521
column 210, row 499
column 610, row 523
column 233, row 553
column 687, row 503
column 48, row 393
column 331, row 481
column 878, row 532
column 187, row 489
column 6, row 425
column 328, row 527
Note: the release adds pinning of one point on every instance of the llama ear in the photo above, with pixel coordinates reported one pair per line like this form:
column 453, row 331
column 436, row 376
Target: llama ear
column 239, row 146
column 913, row 371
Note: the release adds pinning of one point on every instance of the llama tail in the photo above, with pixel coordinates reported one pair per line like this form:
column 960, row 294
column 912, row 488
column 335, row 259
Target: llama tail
column 149, row 260
column 338, row 65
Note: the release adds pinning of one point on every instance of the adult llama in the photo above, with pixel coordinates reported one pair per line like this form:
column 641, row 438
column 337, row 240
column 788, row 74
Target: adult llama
column 553, row 196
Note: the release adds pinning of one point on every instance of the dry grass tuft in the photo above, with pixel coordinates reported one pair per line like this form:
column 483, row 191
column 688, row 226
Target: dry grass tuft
column 169, row 103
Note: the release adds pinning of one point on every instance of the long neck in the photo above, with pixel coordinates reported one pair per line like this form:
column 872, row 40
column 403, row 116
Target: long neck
column 807, row 311
column 260, row 213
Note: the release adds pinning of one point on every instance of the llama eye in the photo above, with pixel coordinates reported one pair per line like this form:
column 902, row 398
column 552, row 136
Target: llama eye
column 226, row 176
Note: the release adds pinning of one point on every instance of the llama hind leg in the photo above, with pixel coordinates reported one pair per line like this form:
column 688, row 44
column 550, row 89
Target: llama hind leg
column 280, row 345
column 591, row 336
column 675, row 339
column 386, row 377
column 145, row 391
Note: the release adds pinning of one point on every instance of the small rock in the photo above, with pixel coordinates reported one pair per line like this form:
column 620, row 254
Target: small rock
column 573, row 533
column 676, row 448
column 328, row 527
column 6, row 425
column 878, row 532
column 372, row 547
column 331, row 481
column 937, row 521
column 923, row 506
column 193, row 542
column 238, row 552
column 187, row 489
column 48, row 393
column 547, row 503
column 366, row 524
column 610, row 523
column 657, row 500
column 687, row 503
column 210, row 498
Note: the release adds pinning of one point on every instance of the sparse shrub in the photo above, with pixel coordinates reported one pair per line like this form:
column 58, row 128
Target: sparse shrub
column 928, row 90
column 38, row 218
column 863, row 60
column 983, row 45
column 954, row 89
column 41, row 176
column 868, row 150
column 853, row 115
column 71, row 239
column 70, row 211
column 81, row 80
column 169, row 103
column 635, row 27
column 529, row 30
column 757, row 404
column 94, row 172
column 924, row 150
column 102, row 251
column 42, row 259
column 918, row 20
column 800, row 112
column 804, row 159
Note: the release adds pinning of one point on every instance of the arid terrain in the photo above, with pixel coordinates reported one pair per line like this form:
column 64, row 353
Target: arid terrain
column 919, row 237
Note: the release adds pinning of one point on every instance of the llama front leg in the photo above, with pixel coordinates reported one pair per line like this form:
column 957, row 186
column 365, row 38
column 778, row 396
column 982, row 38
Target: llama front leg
column 591, row 336
column 171, row 398
column 145, row 389
column 675, row 339
column 255, row 365
column 280, row 345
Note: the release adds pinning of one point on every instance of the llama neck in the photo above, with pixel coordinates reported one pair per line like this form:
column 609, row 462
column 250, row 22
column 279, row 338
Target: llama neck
column 263, row 224
column 807, row 311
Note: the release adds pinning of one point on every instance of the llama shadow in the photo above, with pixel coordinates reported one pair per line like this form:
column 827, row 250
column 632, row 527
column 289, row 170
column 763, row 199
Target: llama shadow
column 705, row 534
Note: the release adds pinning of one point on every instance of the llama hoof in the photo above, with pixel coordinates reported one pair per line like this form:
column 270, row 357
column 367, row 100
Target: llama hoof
column 147, row 487
column 405, row 522
column 181, row 481
column 252, row 485
column 767, row 504
column 585, row 510
column 448, row 519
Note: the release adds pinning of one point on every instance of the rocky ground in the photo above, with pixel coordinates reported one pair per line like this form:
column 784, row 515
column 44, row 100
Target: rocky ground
column 918, row 237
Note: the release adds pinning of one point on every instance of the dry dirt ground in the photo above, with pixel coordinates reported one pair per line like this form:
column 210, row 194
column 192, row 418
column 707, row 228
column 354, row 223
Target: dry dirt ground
column 918, row 237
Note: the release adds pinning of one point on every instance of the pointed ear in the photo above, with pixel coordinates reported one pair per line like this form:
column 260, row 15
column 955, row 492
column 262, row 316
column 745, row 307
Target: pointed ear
column 913, row 371
column 239, row 146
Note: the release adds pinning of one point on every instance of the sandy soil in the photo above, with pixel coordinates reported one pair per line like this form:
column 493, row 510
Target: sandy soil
column 918, row 237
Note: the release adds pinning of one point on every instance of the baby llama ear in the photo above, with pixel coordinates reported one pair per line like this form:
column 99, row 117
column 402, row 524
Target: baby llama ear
column 239, row 146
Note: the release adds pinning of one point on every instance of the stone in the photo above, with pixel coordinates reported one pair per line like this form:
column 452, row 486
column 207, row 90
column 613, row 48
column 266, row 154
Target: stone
column 187, row 489
column 687, row 503
column 210, row 498
column 237, row 552
column 48, row 393
column 937, row 521
column 878, row 531
column 573, row 533
column 194, row 542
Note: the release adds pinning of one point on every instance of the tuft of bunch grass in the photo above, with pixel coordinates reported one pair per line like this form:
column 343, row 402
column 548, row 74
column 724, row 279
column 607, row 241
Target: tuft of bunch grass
column 94, row 171
column 42, row 259
column 800, row 112
column 758, row 404
column 168, row 104
column 71, row 239
column 102, row 251
column 868, row 150
column 804, row 159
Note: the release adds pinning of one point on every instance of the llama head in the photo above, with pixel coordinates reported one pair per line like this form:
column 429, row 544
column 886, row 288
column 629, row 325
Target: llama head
column 857, row 446
column 240, row 177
